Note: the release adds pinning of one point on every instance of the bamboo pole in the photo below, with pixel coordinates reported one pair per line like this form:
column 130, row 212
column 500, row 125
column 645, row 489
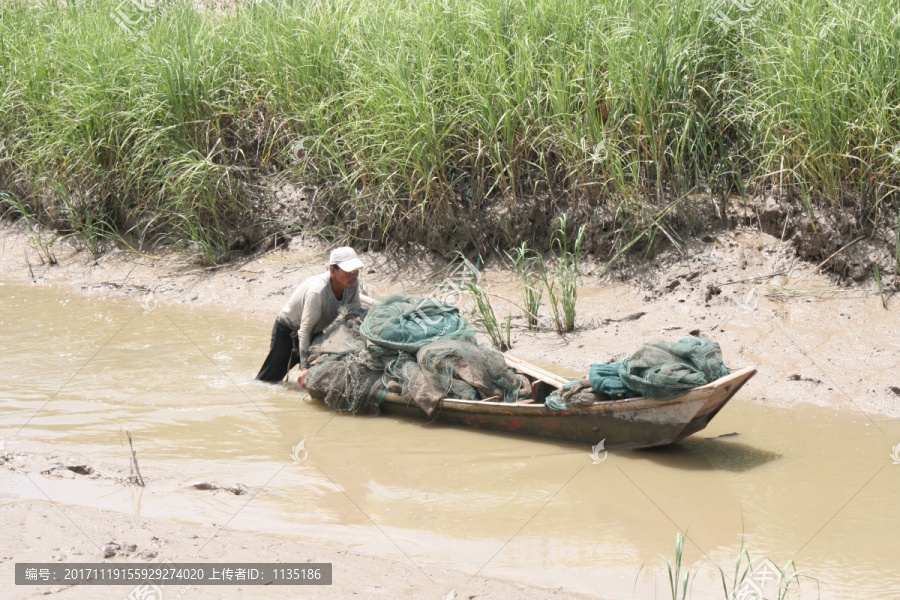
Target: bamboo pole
column 529, row 369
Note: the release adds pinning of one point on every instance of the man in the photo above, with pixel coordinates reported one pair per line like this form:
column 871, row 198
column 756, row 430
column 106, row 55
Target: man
column 312, row 307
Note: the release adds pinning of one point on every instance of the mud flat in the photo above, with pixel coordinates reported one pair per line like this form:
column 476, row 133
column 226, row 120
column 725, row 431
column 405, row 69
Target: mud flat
column 42, row 531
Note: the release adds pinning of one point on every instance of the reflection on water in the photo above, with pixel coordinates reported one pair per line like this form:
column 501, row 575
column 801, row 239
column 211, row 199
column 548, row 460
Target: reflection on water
column 805, row 484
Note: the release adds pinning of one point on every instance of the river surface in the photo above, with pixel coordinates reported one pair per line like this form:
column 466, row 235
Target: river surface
column 804, row 484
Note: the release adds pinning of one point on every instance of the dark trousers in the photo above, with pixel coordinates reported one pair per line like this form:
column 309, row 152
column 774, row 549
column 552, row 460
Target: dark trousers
column 283, row 354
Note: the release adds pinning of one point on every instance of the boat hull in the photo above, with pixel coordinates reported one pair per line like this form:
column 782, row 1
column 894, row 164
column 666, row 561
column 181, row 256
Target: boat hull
column 621, row 424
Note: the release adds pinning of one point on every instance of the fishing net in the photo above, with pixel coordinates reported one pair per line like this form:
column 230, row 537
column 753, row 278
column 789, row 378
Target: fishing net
column 342, row 336
column 408, row 323
column 352, row 382
column 355, row 377
column 574, row 394
column 343, row 372
column 606, row 380
column 663, row 370
column 463, row 370
column 657, row 371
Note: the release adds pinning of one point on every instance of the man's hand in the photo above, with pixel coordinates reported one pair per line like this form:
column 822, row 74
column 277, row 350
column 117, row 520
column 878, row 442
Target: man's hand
column 302, row 378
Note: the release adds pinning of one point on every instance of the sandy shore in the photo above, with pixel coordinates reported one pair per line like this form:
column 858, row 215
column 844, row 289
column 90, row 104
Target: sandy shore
column 812, row 341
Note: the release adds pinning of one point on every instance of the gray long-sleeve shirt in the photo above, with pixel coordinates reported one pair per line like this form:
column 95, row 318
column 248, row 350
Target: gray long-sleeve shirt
column 313, row 307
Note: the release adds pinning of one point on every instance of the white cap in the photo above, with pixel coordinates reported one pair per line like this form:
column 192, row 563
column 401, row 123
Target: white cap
column 345, row 259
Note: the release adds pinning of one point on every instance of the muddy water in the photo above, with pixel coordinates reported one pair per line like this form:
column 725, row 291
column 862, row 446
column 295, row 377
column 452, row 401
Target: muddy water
column 804, row 484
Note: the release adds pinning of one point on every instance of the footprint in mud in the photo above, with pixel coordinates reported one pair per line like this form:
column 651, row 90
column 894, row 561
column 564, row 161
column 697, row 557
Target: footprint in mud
column 81, row 469
column 56, row 467
column 115, row 549
column 238, row 490
column 64, row 471
column 798, row 377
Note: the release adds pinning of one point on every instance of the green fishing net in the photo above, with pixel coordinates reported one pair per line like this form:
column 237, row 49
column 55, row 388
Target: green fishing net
column 664, row 370
column 342, row 336
column 343, row 372
column 657, row 371
column 445, row 361
column 352, row 382
column 460, row 369
column 407, row 323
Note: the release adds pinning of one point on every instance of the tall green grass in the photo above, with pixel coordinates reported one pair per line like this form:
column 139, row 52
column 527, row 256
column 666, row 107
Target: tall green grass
column 441, row 122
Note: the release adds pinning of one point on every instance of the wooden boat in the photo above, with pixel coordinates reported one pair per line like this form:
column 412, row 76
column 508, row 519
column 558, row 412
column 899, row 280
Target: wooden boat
column 623, row 424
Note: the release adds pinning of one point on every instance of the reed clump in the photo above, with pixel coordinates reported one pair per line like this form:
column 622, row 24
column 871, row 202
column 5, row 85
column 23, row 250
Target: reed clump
column 751, row 578
column 560, row 276
column 500, row 333
column 525, row 263
column 446, row 123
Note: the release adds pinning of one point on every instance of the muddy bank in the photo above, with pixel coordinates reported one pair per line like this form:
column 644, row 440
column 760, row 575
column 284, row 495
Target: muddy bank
column 844, row 243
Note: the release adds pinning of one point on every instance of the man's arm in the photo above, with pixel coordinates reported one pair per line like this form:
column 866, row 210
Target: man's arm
column 367, row 301
column 312, row 312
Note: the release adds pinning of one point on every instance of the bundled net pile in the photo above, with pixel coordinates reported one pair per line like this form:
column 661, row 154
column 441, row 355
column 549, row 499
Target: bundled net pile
column 662, row 370
column 343, row 371
column 420, row 348
column 407, row 323
column 342, row 336
column 658, row 371
column 426, row 351
column 460, row 369
column 350, row 382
